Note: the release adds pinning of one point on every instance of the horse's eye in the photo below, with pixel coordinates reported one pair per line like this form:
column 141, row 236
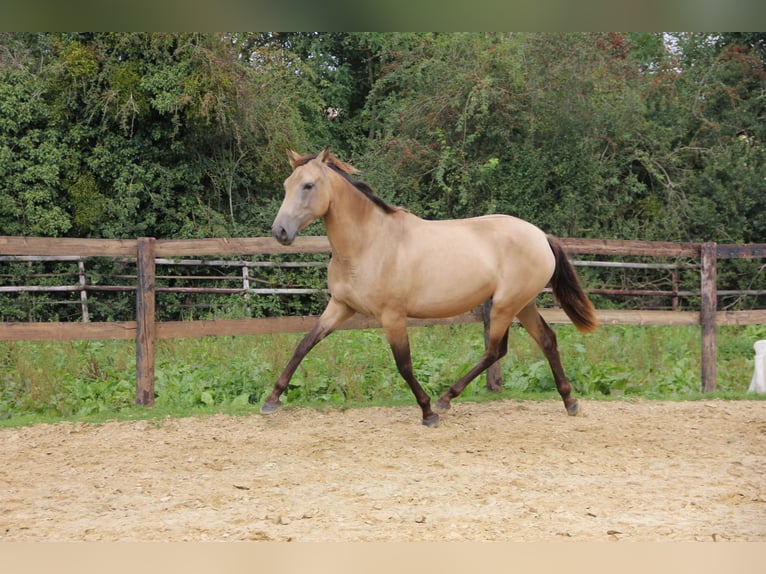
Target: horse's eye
column 308, row 186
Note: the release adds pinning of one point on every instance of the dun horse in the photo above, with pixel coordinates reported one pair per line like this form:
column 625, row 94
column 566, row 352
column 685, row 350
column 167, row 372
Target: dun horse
column 390, row 264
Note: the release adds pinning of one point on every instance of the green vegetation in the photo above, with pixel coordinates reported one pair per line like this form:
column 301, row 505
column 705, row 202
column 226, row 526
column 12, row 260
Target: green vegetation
column 95, row 380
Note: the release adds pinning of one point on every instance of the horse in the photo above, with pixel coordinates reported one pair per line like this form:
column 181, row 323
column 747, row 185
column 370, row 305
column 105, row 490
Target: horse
column 390, row 264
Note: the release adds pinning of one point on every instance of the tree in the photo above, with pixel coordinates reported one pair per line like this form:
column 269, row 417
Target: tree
column 175, row 128
column 707, row 126
column 535, row 125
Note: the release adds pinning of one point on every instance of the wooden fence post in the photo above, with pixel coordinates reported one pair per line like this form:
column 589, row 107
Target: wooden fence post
column 83, row 292
column 145, row 321
column 246, row 287
column 495, row 371
column 708, row 308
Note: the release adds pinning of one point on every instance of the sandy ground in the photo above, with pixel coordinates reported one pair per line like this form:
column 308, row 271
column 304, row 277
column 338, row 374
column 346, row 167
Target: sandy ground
column 507, row 471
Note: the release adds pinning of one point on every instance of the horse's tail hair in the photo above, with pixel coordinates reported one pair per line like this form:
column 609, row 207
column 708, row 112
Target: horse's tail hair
column 568, row 291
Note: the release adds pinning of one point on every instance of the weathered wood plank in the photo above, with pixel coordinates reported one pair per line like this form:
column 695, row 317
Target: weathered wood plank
column 11, row 245
column 66, row 246
column 735, row 318
column 52, row 247
column 627, row 247
column 746, row 251
column 641, row 317
column 271, row 325
column 233, row 327
column 261, row 326
column 67, row 331
column 239, row 246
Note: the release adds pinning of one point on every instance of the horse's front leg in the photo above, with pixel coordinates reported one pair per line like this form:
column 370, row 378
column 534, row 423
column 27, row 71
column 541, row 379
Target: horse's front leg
column 333, row 316
column 396, row 333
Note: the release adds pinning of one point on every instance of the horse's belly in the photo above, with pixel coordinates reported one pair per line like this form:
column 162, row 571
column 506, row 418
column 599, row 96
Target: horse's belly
column 445, row 294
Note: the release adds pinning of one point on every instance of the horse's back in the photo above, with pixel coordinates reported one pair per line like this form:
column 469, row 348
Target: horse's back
column 507, row 239
column 519, row 249
column 450, row 266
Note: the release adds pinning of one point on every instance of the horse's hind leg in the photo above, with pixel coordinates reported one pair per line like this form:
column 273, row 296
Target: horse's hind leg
column 545, row 337
column 497, row 347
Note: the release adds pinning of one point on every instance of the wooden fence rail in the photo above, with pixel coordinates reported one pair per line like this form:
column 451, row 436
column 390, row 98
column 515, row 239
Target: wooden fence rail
column 145, row 330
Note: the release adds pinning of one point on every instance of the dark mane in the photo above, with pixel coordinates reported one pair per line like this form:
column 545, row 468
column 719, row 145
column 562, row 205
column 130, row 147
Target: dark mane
column 368, row 192
column 343, row 169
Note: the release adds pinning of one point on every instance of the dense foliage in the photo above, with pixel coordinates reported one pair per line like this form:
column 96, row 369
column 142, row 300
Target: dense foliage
column 633, row 136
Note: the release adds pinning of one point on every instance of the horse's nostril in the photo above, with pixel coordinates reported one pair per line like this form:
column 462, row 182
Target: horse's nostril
column 279, row 233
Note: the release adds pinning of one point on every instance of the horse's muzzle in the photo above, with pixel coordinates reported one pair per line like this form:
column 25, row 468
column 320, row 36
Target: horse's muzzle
column 282, row 235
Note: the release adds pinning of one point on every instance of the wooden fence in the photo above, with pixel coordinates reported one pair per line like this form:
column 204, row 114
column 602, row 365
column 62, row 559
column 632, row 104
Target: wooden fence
column 145, row 330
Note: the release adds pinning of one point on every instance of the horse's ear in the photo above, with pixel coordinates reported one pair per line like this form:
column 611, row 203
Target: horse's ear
column 294, row 158
column 324, row 155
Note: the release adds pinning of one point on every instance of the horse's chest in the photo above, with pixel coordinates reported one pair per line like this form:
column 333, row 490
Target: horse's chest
column 351, row 285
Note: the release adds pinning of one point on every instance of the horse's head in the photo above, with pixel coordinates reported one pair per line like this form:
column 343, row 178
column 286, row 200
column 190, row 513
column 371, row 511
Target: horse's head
column 307, row 195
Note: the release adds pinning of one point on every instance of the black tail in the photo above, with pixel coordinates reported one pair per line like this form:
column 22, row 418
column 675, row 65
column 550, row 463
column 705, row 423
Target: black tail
column 568, row 291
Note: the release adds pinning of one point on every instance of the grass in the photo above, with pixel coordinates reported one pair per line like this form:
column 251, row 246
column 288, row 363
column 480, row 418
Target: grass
column 95, row 380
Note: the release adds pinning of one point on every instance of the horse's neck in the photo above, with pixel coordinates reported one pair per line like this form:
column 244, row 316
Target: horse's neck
column 351, row 223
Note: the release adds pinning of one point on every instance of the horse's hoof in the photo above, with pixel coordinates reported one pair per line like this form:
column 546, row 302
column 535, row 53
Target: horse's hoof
column 442, row 406
column 432, row 421
column 269, row 408
column 573, row 408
